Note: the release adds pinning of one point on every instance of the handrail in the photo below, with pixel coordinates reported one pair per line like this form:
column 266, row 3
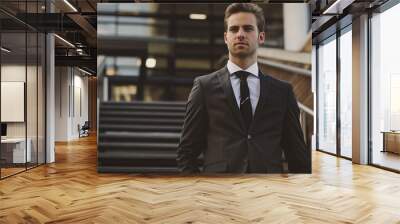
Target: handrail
column 289, row 68
column 304, row 122
column 17, row 19
column 285, row 55
column 101, row 64
column 305, row 109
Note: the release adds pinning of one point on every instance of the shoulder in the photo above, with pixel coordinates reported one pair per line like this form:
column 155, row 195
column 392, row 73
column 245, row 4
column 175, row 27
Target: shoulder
column 278, row 84
column 204, row 79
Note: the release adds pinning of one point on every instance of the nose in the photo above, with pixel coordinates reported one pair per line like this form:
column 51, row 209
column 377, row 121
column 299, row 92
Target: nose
column 240, row 34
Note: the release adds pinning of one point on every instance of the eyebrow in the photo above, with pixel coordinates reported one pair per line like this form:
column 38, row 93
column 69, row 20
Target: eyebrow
column 244, row 26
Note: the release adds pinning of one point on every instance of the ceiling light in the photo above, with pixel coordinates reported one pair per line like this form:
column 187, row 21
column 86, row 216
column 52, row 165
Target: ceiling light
column 111, row 71
column 151, row 62
column 198, row 16
column 84, row 71
column 5, row 50
column 65, row 41
column 138, row 62
column 338, row 6
column 70, row 5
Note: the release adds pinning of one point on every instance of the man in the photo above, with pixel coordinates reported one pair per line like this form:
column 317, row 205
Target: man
column 240, row 119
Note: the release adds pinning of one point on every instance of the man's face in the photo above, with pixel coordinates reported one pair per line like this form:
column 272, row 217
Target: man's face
column 242, row 36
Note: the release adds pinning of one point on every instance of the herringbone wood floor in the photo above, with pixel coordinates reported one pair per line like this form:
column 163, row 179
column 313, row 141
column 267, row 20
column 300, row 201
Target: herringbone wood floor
column 71, row 191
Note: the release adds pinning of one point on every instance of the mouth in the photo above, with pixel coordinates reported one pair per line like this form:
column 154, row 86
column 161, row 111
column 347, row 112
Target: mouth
column 241, row 43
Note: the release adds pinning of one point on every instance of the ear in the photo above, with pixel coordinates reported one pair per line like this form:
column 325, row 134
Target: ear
column 225, row 38
column 261, row 38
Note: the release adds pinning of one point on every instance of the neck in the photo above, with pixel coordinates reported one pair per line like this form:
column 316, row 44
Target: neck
column 243, row 63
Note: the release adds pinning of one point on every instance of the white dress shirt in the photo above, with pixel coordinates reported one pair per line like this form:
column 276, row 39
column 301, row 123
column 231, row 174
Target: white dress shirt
column 253, row 82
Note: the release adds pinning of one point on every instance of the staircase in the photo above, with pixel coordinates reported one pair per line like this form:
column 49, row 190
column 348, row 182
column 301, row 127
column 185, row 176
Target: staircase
column 139, row 137
column 294, row 68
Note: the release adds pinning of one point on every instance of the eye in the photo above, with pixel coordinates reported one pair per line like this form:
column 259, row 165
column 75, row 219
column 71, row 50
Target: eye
column 248, row 28
column 233, row 29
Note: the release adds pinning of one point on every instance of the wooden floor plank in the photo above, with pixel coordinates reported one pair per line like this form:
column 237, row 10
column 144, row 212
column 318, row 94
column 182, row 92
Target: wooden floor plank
column 71, row 191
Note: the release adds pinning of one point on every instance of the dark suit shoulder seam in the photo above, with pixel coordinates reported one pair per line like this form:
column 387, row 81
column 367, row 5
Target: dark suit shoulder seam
column 207, row 76
column 279, row 83
column 203, row 96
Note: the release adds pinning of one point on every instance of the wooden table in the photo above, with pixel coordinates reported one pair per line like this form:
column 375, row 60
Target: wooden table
column 14, row 150
column 391, row 141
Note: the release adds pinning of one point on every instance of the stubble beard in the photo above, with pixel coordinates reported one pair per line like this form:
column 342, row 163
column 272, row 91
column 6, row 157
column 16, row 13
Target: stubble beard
column 243, row 54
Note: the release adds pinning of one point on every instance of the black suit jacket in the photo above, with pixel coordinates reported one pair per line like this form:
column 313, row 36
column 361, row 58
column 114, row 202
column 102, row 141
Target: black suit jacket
column 214, row 126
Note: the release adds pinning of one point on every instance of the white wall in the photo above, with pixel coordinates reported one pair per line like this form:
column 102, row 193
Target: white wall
column 314, row 91
column 32, row 126
column 71, row 94
column 12, row 101
column 50, row 94
column 81, row 104
column 296, row 25
column 12, row 73
column 62, row 81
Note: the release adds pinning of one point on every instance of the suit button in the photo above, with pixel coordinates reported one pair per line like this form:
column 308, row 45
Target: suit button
column 248, row 136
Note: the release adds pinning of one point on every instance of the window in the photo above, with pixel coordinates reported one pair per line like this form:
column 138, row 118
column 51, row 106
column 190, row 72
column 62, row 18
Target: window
column 327, row 96
column 22, row 74
column 385, row 88
column 346, row 93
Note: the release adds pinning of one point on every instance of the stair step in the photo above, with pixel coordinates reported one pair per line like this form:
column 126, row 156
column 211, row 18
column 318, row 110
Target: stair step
column 140, row 136
column 138, row 154
column 138, row 121
column 103, row 146
column 139, row 169
column 153, row 103
column 155, row 121
column 141, row 128
column 167, row 135
column 142, row 108
column 141, row 114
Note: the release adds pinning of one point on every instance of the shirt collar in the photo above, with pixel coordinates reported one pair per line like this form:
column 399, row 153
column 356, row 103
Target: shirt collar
column 232, row 68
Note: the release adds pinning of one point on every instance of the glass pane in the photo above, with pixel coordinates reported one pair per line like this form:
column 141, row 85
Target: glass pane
column 346, row 94
column 79, row 99
column 31, row 98
column 385, row 86
column 327, row 97
column 41, row 99
column 14, row 153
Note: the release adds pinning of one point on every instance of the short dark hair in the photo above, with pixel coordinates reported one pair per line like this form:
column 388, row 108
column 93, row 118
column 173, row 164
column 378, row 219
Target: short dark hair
column 246, row 7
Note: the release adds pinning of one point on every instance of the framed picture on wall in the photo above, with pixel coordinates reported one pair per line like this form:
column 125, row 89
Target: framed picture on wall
column 12, row 101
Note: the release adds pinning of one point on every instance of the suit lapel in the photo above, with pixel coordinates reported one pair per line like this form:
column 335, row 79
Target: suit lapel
column 262, row 99
column 230, row 96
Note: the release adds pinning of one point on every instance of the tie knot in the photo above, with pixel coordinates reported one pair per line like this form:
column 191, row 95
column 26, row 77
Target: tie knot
column 242, row 75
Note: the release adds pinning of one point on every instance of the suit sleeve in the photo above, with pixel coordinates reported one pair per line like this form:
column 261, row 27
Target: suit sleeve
column 193, row 138
column 297, row 154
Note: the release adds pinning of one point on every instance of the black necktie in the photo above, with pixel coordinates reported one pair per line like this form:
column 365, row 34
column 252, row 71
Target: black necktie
column 245, row 104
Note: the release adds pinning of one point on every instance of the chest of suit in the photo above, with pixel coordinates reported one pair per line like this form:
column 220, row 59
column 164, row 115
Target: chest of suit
column 224, row 113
